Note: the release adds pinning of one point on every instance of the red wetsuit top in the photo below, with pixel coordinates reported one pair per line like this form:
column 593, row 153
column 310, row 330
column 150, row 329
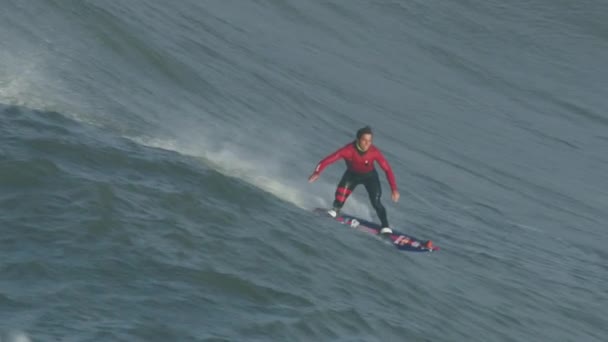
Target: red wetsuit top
column 359, row 162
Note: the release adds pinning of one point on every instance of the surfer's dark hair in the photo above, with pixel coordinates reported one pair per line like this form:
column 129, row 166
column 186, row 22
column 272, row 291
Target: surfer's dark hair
column 364, row 130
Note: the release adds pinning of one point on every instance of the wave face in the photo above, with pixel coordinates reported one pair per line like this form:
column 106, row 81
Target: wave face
column 154, row 156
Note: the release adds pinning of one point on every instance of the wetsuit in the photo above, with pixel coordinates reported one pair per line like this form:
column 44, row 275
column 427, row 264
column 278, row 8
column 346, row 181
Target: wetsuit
column 360, row 170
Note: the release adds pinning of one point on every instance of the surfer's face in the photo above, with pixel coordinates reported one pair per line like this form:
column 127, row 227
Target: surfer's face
column 364, row 142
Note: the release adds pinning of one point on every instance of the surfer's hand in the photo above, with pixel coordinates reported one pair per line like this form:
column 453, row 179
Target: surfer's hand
column 313, row 177
column 395, row 195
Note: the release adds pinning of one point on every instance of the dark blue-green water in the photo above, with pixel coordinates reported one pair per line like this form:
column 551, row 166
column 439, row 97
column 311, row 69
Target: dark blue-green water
column 154, row 159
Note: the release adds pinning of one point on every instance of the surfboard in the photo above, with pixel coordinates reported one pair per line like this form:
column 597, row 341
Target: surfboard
column 400, row 240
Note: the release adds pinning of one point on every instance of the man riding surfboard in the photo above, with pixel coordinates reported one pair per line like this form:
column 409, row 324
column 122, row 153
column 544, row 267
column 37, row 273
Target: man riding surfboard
column 360, row 156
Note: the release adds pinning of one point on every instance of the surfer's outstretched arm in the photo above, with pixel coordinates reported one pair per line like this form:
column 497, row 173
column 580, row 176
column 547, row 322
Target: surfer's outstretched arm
column 325, row 162
column 390, row 176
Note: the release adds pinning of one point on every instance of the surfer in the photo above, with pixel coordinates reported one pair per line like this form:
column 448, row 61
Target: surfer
column 360, row 156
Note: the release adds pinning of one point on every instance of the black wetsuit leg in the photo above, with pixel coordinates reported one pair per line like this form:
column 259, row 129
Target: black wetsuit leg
column 374, row 190
column 347, row 184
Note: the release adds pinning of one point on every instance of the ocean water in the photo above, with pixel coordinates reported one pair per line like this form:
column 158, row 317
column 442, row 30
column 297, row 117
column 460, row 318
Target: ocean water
column 154, row 159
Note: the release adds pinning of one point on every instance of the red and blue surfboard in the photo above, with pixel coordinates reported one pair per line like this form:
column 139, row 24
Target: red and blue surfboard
column 401, row 241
